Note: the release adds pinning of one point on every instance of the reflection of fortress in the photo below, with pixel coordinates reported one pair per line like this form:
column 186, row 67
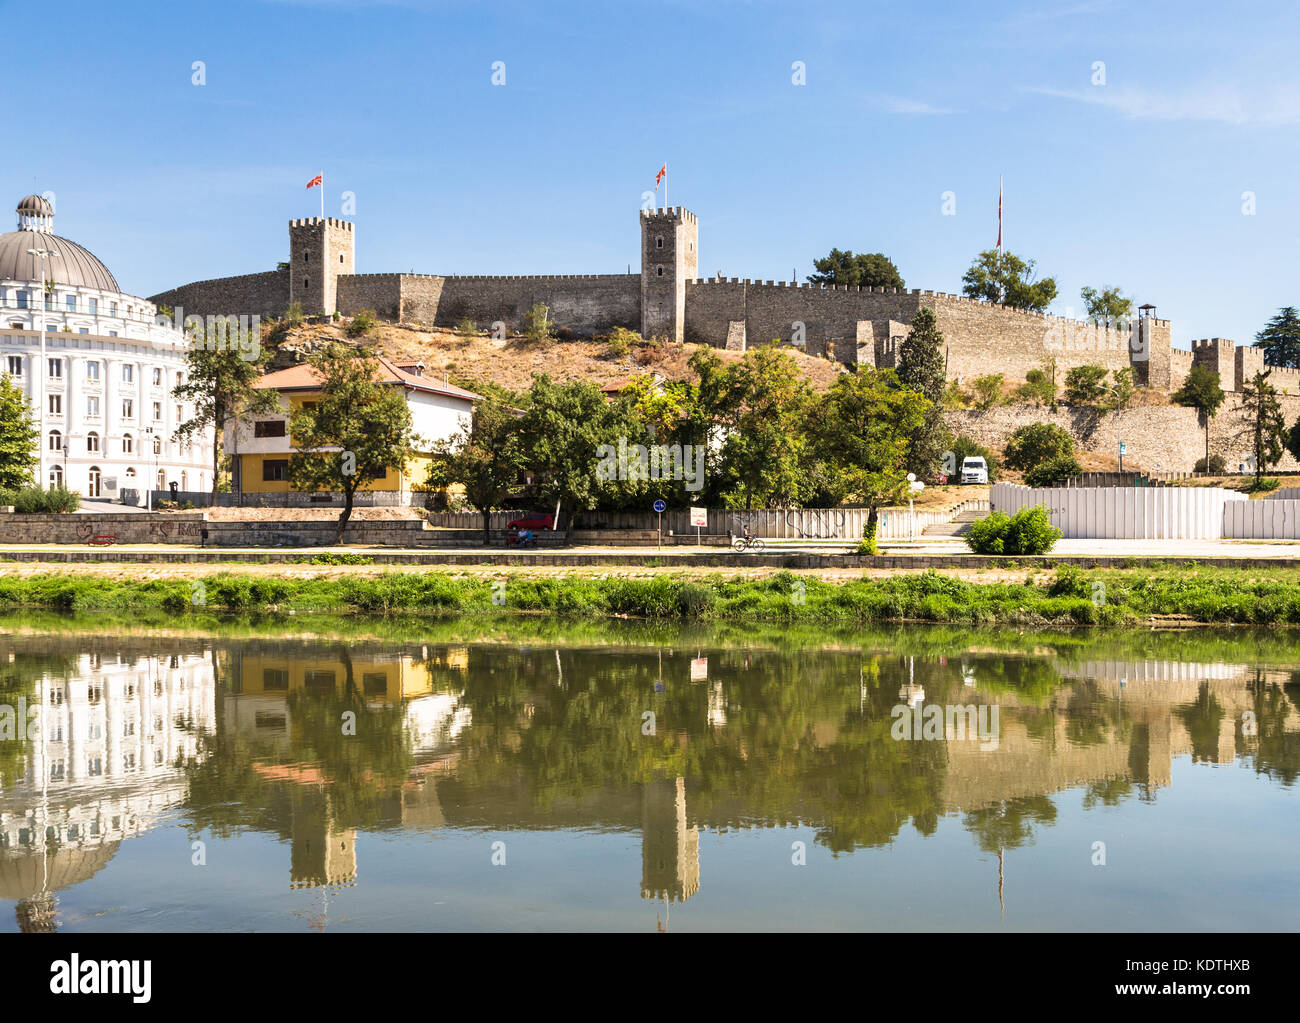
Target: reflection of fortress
column 105, row 765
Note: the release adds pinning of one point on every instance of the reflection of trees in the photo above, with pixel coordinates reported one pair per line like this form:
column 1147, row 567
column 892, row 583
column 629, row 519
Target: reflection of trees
column 1009, row 824
column 1277, row 750
column 1201, row 718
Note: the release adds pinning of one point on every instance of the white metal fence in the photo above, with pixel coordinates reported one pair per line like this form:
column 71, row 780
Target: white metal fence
column 1262, row 520
column 1138, row 513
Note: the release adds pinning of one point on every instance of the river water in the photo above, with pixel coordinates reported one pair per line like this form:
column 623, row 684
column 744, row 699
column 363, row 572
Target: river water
column 526, row 775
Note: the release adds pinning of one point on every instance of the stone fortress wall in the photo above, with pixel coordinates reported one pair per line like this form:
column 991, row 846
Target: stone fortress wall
column 668, row 299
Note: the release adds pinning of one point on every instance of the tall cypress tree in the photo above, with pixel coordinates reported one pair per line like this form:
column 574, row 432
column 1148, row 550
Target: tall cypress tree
column 1280, row 339
column 921, row 369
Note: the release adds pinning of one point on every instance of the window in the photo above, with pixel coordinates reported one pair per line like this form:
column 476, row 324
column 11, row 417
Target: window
column 659, row 271
column 269, row 428
column 306, row 285
column 55, row 369
column 659, row 242
column 180, row 416
column 130, row 472
column 157, row 445
column 92, row 442
column 157, row 411
column 56, row 476
column 16, row 365
column 128, row 373
column 275, row 470
column 157, row 377
column 83, row 330
column 162, row 480
column 94, row 768
column 93, row 476
column 92, row 405
column 22, row 300
column 70, row 303
column 92, row 370
column 92, row 306
column 112, row 308
column 112, row 333
column 49, row 301
column 340, row 257
column 180, row 379
column 56, row 404
column 128, row 408
column 56, row 440
column 128, row 444
column 318, row 679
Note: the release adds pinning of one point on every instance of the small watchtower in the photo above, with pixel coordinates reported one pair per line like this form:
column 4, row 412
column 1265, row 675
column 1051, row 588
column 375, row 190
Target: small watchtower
column 670, row 256
column 320, row 249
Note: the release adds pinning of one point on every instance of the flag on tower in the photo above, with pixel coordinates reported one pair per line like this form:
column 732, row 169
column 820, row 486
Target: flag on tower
column 319, row 179
column 663, row 173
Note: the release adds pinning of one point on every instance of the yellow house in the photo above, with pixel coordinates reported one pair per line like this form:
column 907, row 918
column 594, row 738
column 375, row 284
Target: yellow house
column 260, row 446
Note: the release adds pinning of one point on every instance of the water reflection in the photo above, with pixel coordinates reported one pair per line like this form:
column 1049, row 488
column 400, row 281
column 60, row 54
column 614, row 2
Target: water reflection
column 332, row 746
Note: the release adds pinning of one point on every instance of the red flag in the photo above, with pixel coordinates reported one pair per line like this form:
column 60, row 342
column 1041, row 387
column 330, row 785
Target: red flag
column 663, row 171
column 317, row 180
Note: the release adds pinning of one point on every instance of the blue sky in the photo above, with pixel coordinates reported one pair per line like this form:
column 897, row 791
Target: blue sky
column 1136, row 182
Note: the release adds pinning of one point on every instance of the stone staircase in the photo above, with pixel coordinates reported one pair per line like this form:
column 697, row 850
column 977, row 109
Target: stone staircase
column 959, row 524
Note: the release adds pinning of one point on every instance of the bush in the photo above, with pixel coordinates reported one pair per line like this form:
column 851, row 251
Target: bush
column 538, row 326
column 1037, row 443
column 361, row 324
column 621, row 341
column 1085, row 385
column 1262, row 485
column 988, row 390
column 867, row 545
column 1052, row 472
column 1037, row 388
column 1218, row 466
column 35, row 501
column 293, row 316
column 187, row 506
column 1029, row 531
column 466, row 328
column 963, row 448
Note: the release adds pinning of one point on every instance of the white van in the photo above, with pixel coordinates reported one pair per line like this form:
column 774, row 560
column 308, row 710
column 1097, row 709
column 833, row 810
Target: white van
column 974, row 470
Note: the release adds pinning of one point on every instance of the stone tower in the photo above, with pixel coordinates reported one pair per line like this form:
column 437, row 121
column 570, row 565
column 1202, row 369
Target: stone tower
column 670, row 256
column 319, row 251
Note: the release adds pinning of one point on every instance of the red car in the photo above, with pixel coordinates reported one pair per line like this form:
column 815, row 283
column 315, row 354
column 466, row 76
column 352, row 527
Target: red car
column 533, row 520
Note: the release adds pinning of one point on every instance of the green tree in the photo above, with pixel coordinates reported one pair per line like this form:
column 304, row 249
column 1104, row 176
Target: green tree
column 921, row 369
column 357, row 429
column 1123, row 388
column 221, row 383
column 1202, row 391
column 988, row 390
column 1039, row 387
column 1106, row 306
column 1280, row 339
column 865, row 424
column 866, row 269
column 1035, row 443
column 18, row 437
column 1085, row 385
column 486, row 459
column 1263, row 426
column 562, row 429
column 1003, row 277
column 538, row 327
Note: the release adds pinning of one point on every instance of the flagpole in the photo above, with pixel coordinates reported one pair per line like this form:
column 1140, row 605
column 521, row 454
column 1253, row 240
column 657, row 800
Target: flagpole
column 999, row 213
column 666, row 202
column 322, row 195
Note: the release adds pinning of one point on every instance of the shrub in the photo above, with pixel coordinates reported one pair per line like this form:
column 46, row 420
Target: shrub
column 867, row 545
column 1259, row 485
column 342, row 558
column 694, row 600
column 293, row 316
column 963, row 448
column 1218, row 466
column 35, row 501
column 1052, row 472
column 1029, row 531
column 1085, row 385
column 621, row 341
column 1037, row 388
column 187, row 506
column 988, row 390
column 361, row 324
column 538, row 326
column 466, row 328
column 1036, row 443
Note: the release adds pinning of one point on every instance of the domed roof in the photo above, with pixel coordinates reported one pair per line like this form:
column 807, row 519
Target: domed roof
column 72, row 265
column 35, row 204
column 69, row 263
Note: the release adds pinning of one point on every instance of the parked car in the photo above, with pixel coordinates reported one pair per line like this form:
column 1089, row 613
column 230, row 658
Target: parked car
column 532, row 520
column 974, row 470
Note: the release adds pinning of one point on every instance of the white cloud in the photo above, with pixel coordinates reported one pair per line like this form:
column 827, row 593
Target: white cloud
column 902, row 105
column 1223, row 104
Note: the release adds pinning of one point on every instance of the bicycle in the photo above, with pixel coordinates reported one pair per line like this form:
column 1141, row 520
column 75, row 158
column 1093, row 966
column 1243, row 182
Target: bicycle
column 747, row 542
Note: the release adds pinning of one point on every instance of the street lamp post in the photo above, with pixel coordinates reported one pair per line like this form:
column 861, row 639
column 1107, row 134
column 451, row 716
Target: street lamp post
column 1119, row 418
column 42, row 255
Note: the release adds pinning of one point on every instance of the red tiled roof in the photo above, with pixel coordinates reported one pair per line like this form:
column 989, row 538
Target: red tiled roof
column 305, row 377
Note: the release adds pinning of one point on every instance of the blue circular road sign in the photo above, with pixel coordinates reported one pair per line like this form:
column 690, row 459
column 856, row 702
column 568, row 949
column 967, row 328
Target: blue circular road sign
column 660, row 505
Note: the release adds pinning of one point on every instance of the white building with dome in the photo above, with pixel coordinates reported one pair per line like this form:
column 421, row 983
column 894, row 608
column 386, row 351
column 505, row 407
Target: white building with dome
column 98, row 367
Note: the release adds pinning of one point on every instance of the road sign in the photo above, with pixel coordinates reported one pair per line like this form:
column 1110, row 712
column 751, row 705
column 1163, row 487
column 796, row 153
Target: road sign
column 661, row 506
column 700, row 517
column 1123, row 448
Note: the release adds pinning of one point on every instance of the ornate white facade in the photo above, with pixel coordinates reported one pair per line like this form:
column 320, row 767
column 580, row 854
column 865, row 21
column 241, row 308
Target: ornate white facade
column 102, row 390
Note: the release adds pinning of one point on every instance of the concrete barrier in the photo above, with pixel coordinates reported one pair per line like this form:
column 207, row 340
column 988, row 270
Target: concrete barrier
column 1124, row 513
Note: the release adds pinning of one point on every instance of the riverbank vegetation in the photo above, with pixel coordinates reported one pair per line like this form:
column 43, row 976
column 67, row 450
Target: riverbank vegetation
column 1066, row 597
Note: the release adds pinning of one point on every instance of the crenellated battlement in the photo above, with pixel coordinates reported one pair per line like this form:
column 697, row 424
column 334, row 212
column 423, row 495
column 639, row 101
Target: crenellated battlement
column 670, row 213
column 343, row 225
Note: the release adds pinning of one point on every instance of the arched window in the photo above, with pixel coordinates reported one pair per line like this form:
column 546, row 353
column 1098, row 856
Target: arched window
column 128, row 444
column 56, row 440
column 185, row 481
column 162, row 479
column 157, row 445
column 130, row 473
column 56, row 476
column 92, row 443
column 92, row 487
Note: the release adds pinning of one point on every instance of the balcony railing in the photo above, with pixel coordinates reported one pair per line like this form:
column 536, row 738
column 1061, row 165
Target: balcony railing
column 10, row 304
